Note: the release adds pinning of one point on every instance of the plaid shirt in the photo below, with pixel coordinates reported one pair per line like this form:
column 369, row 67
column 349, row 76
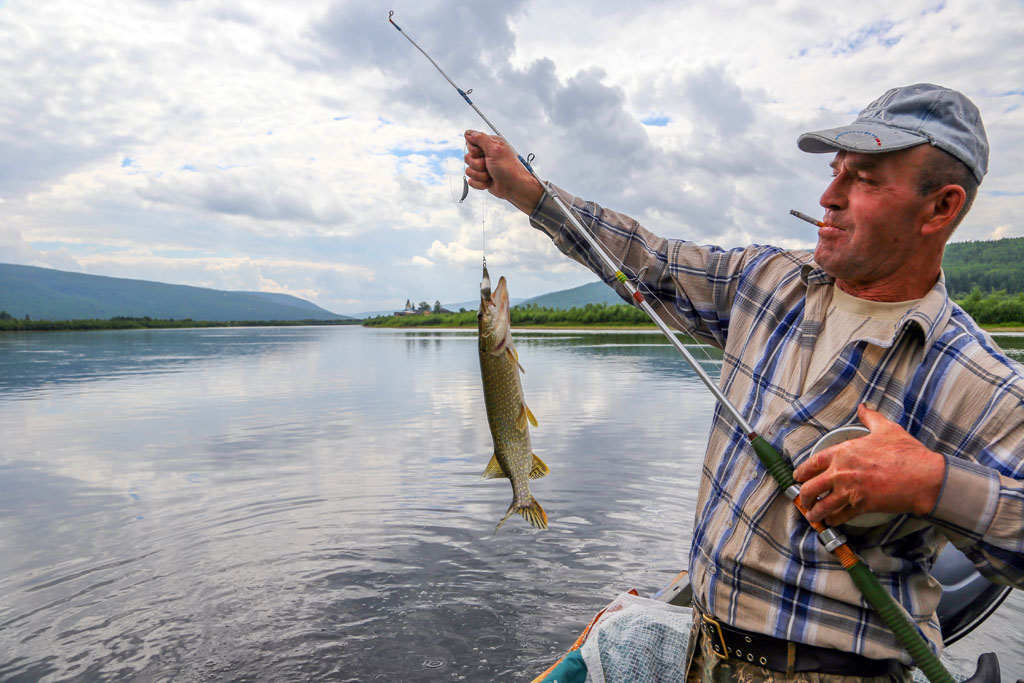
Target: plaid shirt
column 755, row 563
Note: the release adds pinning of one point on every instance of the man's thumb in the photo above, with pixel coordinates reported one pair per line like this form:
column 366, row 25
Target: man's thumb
column 872, row 419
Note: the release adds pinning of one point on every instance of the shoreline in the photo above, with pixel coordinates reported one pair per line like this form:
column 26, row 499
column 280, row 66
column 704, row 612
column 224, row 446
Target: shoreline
column 85, row 326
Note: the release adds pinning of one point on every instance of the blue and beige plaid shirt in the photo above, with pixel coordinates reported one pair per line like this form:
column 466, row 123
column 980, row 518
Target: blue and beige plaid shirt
column 755, row 563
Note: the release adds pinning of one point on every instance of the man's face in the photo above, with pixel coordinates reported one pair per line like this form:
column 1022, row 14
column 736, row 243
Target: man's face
column 873, row 212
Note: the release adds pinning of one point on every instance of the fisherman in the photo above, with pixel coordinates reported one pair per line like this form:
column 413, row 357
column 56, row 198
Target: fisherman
column 860, row 328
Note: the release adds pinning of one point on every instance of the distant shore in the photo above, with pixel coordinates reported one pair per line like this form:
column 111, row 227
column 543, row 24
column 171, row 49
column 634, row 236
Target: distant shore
column 16, row 325
column 130, row 323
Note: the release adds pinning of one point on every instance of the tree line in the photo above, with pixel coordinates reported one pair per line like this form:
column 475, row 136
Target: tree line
column 9, row 323
column 992, row 308
column 990, row 266
column 614, row 315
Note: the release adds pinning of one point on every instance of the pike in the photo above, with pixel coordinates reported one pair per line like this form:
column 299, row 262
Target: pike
column 507, row 413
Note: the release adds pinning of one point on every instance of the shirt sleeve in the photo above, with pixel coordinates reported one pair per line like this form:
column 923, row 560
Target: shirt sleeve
column 981, row 504
column 692, row 287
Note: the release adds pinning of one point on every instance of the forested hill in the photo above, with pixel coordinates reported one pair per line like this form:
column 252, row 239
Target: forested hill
column 577, row 297
column 47, row 294
column 990, row 265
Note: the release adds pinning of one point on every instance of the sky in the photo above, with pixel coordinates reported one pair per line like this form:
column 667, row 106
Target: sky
column 309, row 149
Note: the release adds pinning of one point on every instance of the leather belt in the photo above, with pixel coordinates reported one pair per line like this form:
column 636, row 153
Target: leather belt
column 788, row 656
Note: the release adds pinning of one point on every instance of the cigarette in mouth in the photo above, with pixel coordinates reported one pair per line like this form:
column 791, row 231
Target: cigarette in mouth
column 805, row 217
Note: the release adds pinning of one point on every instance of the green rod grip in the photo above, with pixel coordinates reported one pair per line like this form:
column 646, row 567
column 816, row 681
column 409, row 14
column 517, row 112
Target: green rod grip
column 894, row 617
column 773, row 462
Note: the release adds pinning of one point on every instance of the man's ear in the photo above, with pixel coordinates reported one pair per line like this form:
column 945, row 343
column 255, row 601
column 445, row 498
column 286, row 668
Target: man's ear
column 943, row 209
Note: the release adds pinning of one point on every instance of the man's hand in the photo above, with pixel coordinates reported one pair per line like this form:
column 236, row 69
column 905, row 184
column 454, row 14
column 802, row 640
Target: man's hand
column 885, row 471
column 491, row 165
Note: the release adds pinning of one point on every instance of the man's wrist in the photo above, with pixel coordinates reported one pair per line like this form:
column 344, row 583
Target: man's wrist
column 934, row 476
column 527, row 199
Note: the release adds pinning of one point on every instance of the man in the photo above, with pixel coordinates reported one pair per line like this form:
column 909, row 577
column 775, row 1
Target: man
column 862, row 328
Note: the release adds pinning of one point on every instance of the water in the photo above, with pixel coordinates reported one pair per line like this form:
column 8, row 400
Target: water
column 292, row 504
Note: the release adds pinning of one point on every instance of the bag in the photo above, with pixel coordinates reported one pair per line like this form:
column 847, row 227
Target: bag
column 632, row 639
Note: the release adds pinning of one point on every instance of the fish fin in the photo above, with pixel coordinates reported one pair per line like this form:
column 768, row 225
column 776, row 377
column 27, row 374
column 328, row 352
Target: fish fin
column 539, row 468
column 524, row 415
column 511, row 354
column 494, row 470
column 532, row 512
column 515, row 357
column 529, row 415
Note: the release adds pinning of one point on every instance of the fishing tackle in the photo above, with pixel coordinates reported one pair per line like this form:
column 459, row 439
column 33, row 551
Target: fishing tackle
column 878, row 597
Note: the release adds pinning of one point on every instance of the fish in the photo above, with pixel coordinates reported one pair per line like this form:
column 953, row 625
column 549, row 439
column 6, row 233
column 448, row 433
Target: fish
column 508, row 416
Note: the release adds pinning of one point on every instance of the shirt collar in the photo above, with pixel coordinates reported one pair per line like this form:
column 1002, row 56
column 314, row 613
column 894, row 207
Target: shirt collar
column 929, row 315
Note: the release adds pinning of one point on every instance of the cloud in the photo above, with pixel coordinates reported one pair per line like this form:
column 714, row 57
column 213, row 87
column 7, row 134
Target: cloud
column 134, row 136
column 255, row 193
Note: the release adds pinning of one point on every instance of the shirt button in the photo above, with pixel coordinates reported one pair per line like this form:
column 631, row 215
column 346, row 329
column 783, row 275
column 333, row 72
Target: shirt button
column 729, row 524
column 712, row 570
column 753, row 475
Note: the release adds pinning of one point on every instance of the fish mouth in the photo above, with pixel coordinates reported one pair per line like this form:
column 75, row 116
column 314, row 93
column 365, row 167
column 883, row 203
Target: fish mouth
column 485, row 286
column 500, row 295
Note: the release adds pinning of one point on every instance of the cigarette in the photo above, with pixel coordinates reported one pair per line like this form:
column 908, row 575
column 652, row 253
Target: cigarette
column 805, row 217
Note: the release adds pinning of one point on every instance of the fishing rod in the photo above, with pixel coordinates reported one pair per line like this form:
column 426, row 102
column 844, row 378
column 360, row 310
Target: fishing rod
column 894, row 616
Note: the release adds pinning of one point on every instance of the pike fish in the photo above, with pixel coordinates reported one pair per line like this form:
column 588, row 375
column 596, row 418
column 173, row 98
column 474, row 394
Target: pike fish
column 507, row 414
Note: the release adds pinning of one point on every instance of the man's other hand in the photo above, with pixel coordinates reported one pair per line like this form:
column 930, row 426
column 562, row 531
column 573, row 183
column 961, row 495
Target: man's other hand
column 884, row 471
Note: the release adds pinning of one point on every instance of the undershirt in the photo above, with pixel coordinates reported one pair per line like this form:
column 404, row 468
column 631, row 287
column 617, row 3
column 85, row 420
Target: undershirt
column 850, row 318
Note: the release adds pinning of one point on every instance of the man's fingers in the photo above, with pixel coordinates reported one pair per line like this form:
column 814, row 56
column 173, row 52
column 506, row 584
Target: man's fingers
column 475, row 163
column 812, row 490
column 478, row 143
column 814, row 465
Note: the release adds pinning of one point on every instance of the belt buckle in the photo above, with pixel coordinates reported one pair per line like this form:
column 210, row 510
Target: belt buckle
column 712, row 628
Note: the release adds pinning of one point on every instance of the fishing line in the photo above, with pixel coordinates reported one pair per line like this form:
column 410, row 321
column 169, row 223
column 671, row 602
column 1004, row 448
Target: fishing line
column 638, row 279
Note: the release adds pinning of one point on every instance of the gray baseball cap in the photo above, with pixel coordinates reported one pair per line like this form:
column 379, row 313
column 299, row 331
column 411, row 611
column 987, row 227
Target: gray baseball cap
column 909, row 116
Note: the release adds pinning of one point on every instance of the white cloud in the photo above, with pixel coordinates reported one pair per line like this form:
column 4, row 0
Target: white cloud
column 313, row 134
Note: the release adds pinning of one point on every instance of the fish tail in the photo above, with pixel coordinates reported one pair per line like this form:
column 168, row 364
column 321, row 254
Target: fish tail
column 531, row 511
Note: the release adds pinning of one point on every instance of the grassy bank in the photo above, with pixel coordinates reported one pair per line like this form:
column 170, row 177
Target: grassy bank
column 591, row 315
column 996, row 311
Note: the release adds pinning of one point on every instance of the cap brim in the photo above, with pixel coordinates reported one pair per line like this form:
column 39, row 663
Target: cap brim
column 859, row 137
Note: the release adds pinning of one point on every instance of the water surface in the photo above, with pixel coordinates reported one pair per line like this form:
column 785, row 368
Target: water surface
column 286, row 504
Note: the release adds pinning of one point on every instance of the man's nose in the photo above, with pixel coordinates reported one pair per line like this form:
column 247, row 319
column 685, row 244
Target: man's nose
column 834, row 196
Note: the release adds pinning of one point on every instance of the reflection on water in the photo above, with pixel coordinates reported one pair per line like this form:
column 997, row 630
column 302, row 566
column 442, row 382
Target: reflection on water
column 305, row 504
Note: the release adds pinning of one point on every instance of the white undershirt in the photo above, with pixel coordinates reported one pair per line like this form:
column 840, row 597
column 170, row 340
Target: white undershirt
column 850, row 318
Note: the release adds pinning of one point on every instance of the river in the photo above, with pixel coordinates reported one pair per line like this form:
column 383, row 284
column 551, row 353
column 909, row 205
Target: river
column 293, row 504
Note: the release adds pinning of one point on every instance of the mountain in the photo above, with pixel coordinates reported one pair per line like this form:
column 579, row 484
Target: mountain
column 992, row 264
column 46, row 294
column 577, row 297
